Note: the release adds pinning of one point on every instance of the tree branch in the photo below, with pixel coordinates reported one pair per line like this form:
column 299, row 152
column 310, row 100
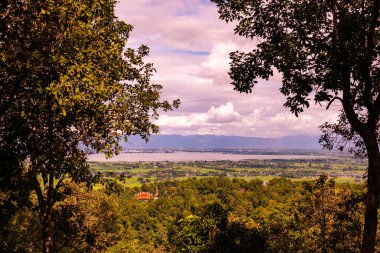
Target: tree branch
column 371, row 31
column 377, row 103
column 60, row 183
column 348, row 108
column 332, row 100
column 40, row 198
column 5, row 14
column 369, row 57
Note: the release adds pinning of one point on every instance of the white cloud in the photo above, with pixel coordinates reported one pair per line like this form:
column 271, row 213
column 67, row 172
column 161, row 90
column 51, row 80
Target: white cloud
column 204, row 122
column 219, row 56
column 179, row 33
column 222, row 114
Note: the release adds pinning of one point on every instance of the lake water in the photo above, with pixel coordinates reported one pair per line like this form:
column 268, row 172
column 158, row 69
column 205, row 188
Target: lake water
column 191, row 156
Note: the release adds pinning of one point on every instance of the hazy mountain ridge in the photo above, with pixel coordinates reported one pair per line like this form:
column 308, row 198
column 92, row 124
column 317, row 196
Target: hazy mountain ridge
column 220, row 141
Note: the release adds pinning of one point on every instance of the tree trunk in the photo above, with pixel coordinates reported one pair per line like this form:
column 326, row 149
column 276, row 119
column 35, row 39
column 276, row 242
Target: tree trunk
column 373, row 194
column 47, row 232
column 46, row 204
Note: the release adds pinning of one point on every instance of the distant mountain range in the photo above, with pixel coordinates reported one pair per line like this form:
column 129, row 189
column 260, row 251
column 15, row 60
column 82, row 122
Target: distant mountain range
column 223, row 142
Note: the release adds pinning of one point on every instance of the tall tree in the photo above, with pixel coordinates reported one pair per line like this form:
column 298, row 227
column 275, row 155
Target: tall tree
column 68, row 81
column 327, row 51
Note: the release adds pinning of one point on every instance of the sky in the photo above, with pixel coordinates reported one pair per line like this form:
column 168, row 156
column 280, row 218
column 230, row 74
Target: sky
column 190, row 46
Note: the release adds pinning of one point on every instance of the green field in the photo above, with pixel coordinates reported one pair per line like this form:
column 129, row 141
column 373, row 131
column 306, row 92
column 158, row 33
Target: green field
column 343, row 170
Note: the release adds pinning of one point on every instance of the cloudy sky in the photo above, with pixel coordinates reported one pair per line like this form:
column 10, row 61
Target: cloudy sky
column 190, row 49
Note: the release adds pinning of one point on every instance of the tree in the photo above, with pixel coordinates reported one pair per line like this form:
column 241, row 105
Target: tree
column 317, row 217
column 325, row 50
column 67, row 81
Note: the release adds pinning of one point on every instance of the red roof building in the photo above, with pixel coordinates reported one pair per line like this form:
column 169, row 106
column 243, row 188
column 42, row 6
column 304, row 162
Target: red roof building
column 146, row 195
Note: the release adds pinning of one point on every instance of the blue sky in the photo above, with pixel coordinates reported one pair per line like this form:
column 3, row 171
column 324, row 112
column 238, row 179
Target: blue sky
column 190, row 48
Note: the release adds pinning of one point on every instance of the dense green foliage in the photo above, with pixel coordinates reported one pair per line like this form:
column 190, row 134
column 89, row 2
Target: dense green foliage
column 66, row 80
column 206, row 215
column 325, row 51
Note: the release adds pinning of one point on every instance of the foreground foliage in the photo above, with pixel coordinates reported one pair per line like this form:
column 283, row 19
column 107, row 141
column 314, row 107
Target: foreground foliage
column 326, row 51
column 206, row 215
column 66, row 80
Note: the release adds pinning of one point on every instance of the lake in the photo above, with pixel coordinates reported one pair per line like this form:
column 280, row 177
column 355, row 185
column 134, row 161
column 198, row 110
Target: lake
column 192, row 156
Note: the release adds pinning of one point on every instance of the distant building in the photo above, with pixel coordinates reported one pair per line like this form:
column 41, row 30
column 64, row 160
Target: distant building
column 144, row 196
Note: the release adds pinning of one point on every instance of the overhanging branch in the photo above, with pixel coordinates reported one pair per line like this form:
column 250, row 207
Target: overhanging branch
column 332, row 100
